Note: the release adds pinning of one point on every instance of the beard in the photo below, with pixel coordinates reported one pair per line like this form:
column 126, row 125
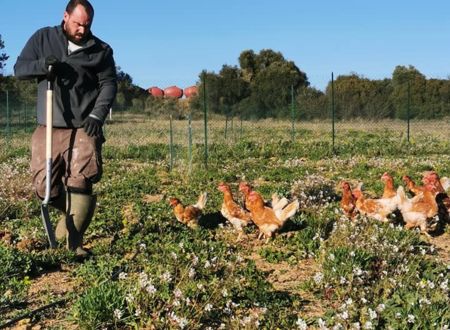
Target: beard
column 76, row 38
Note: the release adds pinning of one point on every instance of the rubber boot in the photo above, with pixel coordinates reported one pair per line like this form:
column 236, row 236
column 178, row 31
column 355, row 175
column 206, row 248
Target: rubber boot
column 60, row 204
column 80, row 210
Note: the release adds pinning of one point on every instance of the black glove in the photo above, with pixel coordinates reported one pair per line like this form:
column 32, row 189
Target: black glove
column 92, row 126
column 52, row 61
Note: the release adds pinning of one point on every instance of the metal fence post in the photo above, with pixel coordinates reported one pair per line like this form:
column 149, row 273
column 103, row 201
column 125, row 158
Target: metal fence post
column 408, row 112
column 241, row 131
column 332, row 111
column 171, row 144
column 190, row 142
column 292, row 113
column 8, row 128
column 205, row 119
column 226, row 125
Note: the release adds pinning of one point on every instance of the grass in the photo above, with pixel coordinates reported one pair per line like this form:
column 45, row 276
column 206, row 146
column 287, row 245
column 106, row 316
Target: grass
column 150, row 271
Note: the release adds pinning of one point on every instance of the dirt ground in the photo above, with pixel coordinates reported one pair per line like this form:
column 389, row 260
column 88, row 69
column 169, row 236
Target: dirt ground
column 283, row 276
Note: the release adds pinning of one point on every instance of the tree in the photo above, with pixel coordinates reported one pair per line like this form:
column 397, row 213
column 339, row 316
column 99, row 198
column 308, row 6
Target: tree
column 127, row 91
column 408, row 88
column 233, row 87
column 271, row 87
column 3, row 56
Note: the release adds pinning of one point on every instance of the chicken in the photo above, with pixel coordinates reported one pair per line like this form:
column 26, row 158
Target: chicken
column 245, row 189
column 411, row 185
column 441, row 196
column 389, row 190
column 188, row 215
column 232, row 211
column 419, row 210
column 378, row 209
column 348, row 201
column 276, row 203
column 267, row 219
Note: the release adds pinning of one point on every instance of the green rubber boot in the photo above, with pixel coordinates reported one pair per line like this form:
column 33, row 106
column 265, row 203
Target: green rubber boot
column 80, row 210
column 60, row 204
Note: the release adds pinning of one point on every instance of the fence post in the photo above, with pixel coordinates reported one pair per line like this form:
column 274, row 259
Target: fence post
column 26, row 118
column 8, row 128
column 205, row 119
column 190, row 142
column 332, row 111
column 226, row 125
column 408, row 113
column 233, row 134
column 171, row 144
column 292, row 113
column 241, row 131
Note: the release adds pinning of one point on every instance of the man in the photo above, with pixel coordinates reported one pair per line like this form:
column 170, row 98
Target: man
column 84, row 73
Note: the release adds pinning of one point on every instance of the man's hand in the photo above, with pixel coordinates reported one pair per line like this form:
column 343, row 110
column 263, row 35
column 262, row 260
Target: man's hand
column 92, row 126
column 53, row 62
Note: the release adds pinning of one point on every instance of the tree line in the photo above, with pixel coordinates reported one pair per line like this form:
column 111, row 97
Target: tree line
column 267, row 85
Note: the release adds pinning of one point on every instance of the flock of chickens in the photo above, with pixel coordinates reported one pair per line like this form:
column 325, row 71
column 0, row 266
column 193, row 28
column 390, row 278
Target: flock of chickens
column 428, row 205
column 268, row 217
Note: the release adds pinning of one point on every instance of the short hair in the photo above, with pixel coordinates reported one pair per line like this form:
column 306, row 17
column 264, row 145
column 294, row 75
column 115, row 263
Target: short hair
column 85, row 3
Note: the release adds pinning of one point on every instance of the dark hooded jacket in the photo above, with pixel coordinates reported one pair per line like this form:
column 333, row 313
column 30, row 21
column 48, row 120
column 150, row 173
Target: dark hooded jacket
column 85, row 81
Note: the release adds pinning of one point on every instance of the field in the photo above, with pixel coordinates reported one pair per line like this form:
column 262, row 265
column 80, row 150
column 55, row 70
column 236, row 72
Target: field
column 151, row 272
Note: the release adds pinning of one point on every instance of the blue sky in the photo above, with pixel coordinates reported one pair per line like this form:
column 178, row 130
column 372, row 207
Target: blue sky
column 164, row 43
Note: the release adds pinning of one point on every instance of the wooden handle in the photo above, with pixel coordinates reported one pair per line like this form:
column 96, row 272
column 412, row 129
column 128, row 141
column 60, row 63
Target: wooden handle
column 49, row 123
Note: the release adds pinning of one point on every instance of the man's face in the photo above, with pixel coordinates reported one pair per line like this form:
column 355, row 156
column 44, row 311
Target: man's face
column 77, row 24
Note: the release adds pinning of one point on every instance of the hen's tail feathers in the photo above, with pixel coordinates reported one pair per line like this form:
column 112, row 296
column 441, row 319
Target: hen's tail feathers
column 445, row 181
column 201, row 202
column 278, row 203
column 289, row 211
column 401, row 195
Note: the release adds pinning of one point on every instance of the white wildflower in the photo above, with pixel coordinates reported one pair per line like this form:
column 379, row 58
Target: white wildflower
column 137, row 312
column 321, row 324
column 122, row 276
column 411, row 318
column 174, row 255
column 380, row 308
column 208, row 307
column 207, row 264
column 150, row 289
column 246, row 320
column 357, row 271
column 318, row 278
column 301, row 324
column 444, row 285
column 356, row 326
column 424, row 301
column 182, row 323
column 199, row 286
column 224, row 293
column 166, row 277
column 191, row 273
column 177, row 293
column 344, row 315
column 194, row 260
column 129, row 298
column 372, row 314
column 117, row 314
column 368, row 325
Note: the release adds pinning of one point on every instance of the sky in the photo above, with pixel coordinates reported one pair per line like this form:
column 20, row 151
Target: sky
column 165, row 43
